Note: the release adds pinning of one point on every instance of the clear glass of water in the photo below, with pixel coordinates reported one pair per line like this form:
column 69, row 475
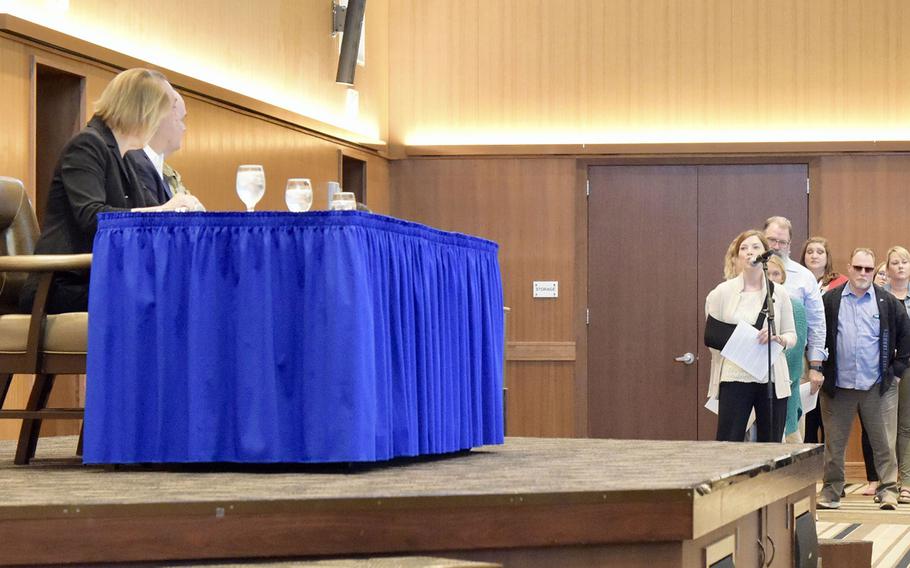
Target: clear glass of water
column 298, row 195
column 250, row 185
column 343, row 201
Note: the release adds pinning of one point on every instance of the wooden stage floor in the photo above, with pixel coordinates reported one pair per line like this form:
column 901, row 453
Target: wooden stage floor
column 527, row 494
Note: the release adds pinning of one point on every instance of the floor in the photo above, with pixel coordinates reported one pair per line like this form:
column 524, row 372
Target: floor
column 859, row 518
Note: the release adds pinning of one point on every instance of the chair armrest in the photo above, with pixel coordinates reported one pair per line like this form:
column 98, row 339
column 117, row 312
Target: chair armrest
column 45, row 262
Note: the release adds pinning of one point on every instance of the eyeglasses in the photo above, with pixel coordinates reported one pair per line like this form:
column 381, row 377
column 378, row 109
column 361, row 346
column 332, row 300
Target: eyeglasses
column 779, row 242
column 864, row 269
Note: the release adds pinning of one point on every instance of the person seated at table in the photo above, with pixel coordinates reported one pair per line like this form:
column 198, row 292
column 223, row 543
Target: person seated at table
column 160, row 180
column 92, row 177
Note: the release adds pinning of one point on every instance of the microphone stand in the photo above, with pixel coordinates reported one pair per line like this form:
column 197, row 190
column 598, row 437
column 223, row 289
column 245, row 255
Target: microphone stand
column 768, row 310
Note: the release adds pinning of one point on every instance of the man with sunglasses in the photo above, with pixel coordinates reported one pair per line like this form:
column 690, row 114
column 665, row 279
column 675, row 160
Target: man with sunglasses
column 868, row 342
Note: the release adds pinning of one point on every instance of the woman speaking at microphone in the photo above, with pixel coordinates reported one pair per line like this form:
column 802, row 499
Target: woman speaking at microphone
column 738, row 392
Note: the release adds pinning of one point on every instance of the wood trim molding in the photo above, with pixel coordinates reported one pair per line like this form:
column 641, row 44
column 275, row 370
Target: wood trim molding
column 46, row 37
column 734, row 148
column 855, row 471
column 540, row 351
column 581, row 298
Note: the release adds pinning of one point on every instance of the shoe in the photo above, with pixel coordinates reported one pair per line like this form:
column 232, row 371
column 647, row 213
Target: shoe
column 904, row 497
column 826, row 504
column 888, row 504
column 876, row 499
column 870, row 488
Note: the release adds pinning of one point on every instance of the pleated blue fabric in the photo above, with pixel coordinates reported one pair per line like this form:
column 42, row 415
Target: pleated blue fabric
column 281, row 337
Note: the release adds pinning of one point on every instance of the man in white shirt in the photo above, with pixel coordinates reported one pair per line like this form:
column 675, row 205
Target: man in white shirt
column 801, row 284
column 158, row 178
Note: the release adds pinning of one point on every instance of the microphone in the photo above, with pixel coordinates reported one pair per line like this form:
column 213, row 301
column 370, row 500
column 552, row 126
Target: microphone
column 762, row 258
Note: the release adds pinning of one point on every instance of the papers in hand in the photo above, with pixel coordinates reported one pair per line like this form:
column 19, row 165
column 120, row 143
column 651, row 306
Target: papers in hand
column 809, row 400
column 744, row 349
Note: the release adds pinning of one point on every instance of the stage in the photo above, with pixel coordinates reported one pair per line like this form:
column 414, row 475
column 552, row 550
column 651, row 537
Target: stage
column 530, row 502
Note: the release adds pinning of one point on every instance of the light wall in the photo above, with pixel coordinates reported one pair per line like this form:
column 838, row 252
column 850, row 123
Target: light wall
column 648, row 71
column 277, row 51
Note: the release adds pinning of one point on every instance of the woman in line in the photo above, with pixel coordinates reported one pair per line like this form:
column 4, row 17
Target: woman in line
column 881, row 274
column 737, row 391
column 898, row 270
column 817, row 257
column 92, row 177
column 795, row 355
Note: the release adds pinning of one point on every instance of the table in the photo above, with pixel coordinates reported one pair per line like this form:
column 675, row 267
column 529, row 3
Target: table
column 286, row 337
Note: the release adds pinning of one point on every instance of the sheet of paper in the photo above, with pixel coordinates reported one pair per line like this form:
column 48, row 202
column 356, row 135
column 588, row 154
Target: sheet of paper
column 744, row 349
column 809, row 401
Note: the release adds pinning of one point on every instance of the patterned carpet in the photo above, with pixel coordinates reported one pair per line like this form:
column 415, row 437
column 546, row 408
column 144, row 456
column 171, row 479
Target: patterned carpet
column 859, row 518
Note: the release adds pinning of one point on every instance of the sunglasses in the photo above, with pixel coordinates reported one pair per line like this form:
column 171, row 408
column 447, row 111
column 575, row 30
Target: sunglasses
column 864, row 269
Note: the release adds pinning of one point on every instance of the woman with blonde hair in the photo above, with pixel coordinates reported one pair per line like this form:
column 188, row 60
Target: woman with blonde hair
column 92, row 177
column 898, row 270
column 795, row 355
column 881, row 274
column 737, row 391
column 816, row 256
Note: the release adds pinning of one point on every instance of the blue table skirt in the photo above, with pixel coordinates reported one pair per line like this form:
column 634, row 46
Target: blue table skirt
column 281, row 337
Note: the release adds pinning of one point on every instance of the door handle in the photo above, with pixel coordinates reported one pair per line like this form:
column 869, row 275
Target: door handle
column 686, row 358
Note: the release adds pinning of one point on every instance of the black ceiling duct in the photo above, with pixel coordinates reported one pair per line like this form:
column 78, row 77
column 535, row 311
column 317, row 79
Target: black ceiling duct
column 350, row 42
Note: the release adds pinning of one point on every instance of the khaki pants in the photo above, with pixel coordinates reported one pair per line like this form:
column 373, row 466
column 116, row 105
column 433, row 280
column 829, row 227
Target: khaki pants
column 903, row 432
column 879, row 414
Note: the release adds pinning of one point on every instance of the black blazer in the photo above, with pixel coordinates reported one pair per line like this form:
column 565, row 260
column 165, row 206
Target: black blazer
column 894, row 338
column 156, row 189
column 90, row 178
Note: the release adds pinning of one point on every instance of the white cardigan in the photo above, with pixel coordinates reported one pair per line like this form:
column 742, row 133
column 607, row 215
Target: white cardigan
column 721, row 304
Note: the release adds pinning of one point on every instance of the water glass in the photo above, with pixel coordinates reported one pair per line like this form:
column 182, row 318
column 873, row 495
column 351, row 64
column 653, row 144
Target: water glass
column 343, row 201
column 332, row 188
column 250, row 185
column 298, row 195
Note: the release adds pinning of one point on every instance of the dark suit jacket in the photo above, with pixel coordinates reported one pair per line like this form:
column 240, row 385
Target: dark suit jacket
column 154, row 186
column 90, row 178
column 894, row 337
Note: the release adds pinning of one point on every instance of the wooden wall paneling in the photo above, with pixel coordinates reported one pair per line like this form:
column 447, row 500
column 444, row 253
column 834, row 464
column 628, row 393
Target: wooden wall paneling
column 540, row 351
column 525, row 205
column 541, row 399
column 857, row 200
column 17, row 160
column 378, row 196
column 528, row 207
column 517, row 72
column 276, row 51
column 219, row 138
column 58, row 113
column 581, row 298
column 14, row 112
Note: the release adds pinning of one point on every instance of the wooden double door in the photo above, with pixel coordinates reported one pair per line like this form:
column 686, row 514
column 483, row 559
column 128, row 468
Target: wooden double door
column 656, row 241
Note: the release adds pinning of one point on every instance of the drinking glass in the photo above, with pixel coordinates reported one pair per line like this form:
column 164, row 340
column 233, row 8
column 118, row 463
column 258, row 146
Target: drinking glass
column 298, row 195
column 250, row 185
column 343, row 201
